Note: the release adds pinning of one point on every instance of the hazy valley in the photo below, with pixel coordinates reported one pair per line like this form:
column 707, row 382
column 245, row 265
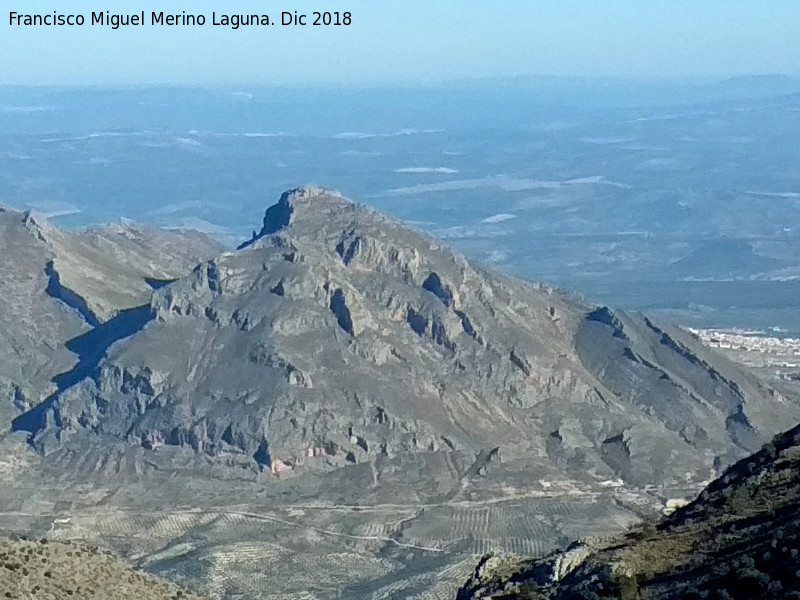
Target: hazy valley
column 675, row 198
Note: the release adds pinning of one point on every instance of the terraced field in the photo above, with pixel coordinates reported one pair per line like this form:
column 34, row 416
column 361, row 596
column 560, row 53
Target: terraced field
column 376, row 552
column 174, row 515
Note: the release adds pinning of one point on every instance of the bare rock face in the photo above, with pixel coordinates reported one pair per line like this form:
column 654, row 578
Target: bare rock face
column 339, row 336
column 59, row 287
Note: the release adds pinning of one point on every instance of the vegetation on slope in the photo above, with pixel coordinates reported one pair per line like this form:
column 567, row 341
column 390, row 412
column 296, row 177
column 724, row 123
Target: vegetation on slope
column 739, row 540
column 58, row 571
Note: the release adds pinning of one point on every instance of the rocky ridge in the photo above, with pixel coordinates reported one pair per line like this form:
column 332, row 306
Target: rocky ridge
column 60, row 285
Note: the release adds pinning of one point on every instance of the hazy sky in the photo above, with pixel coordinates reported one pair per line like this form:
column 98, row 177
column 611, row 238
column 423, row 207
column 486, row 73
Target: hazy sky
column 410, row 41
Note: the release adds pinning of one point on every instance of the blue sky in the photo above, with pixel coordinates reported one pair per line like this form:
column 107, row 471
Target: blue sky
column 411, row 41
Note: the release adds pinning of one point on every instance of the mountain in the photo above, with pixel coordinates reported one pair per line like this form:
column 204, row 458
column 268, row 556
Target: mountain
column 59, row 285
column 738, row 540
column 247, row 353
column 344, row 390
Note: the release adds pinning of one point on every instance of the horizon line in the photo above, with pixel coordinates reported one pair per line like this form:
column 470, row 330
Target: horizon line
column 381, row 83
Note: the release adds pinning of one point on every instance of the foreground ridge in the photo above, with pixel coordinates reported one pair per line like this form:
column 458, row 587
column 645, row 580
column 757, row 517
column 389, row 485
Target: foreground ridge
column 740, row 539
column 51, row 569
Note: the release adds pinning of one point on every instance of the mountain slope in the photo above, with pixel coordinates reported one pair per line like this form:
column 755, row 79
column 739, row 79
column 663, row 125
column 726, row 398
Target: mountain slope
column 245, row 355
column 31, row 569
column 59, row 285
column 740, row 539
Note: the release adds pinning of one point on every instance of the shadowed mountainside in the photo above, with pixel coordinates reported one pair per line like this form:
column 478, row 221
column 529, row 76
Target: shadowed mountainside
column 58, row 286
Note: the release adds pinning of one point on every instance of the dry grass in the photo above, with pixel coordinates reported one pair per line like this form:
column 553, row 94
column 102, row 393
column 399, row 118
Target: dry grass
column 43, row 570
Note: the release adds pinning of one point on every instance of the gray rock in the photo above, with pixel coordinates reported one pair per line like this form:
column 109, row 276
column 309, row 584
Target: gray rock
column 337, row 332
column 58, row 286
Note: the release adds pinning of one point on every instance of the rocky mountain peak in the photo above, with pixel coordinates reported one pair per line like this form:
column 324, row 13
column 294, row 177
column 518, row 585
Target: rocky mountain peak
column 339, row 332
column 341, row 358
column 303, row 202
